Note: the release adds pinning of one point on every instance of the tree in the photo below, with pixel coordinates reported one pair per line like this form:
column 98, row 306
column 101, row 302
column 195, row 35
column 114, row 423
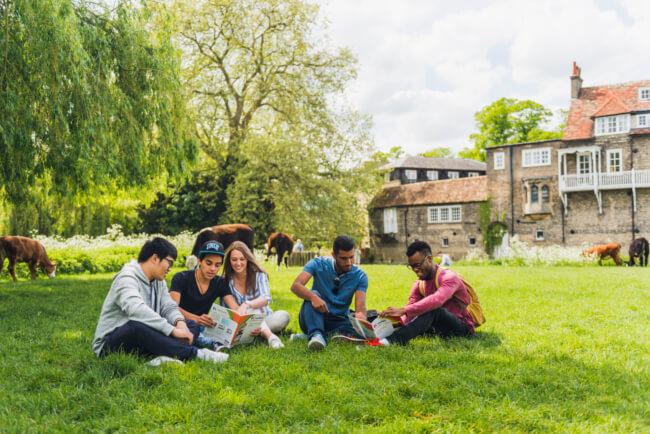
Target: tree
column 261, row 95
column 91, row 98
column 508, row 121
column 438, row 152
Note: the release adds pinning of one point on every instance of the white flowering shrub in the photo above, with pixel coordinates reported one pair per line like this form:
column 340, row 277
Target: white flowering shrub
column 114, row 238
column 103, row 254
column 520, row 253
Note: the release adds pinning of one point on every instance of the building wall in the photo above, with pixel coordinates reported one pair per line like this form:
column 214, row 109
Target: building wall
column 391, row 248
column 582, row 223
column 422, row 174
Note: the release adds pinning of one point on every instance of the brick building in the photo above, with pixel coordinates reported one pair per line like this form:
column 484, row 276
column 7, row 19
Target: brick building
column 592, row 186
column 409, row 170
column 443, row 213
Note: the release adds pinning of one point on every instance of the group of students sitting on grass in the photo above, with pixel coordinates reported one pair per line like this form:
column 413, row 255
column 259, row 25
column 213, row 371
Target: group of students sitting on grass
column 140, row 315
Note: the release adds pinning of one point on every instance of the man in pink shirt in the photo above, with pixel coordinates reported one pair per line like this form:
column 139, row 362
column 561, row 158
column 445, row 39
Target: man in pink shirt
column 438, row 310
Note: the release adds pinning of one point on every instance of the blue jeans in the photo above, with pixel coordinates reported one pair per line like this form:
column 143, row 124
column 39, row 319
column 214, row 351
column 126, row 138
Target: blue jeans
column 313, row 322
column 135, row 337
column 438, row 322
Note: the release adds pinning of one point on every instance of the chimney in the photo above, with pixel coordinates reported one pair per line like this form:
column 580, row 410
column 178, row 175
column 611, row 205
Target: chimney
column 576, row 81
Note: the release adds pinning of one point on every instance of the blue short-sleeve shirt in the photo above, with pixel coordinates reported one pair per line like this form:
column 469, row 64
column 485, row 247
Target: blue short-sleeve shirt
column 323, row 274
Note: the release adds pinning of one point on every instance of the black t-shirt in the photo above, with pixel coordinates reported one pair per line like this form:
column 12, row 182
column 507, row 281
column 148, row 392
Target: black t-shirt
column 191, row 299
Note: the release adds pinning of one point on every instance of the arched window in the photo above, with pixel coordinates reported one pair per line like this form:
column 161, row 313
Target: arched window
column 544, row 193
column 534, row 194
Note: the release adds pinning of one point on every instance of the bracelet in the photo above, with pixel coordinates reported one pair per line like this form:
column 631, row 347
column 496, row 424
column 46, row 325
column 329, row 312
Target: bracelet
column 179, row 320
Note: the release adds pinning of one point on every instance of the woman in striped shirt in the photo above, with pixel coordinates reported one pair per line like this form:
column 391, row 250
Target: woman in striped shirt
column 249, row 284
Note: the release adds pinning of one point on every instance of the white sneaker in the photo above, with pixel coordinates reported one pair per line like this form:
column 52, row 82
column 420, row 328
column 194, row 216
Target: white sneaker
column 317, row 343
column 275, row 342
column 211, row 356
column 163, row 359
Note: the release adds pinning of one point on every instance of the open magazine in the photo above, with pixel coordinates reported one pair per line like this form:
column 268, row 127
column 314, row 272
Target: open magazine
column 232, row 328
column 379, row 328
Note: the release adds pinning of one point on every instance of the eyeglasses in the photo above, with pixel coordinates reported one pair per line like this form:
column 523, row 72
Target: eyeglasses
column 418, row 265
column 337, row 283
column 170, row 262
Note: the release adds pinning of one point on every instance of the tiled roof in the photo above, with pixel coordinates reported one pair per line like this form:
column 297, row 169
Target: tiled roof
column 458, row 190
column 410, row 162
column 602, row 101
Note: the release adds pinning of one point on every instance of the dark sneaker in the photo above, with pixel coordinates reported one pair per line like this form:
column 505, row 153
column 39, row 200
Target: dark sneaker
column 347, row 338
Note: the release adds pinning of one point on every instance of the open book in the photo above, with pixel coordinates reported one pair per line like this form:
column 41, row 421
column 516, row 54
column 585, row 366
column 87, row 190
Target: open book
column 379, row 328
column 232, row 328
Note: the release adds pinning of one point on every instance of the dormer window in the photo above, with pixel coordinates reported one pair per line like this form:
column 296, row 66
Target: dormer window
column 612, row 124
column 644, row 94
column 411, row 176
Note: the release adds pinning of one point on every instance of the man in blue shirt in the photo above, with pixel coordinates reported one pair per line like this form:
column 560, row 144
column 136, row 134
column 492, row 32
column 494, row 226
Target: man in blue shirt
column 327, row 305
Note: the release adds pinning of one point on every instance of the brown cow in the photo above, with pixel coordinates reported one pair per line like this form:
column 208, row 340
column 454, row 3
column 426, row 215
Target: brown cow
column 22, row 249
column 606, row 251
column 226, row 235
column 283, row 245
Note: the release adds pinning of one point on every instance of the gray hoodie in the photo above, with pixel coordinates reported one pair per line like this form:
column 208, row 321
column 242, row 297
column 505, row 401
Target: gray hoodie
column 133, row 297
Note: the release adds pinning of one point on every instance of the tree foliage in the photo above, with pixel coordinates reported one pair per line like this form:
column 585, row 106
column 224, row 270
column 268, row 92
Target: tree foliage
column 262, row 92
column 90, row 97
column 509, row 121
column 440, row 152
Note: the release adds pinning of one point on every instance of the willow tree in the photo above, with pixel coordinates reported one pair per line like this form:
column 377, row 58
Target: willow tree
column 90, row 98
column 262, row 86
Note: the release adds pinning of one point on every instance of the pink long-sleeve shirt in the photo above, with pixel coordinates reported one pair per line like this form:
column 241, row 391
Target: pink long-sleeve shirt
column 450, row 286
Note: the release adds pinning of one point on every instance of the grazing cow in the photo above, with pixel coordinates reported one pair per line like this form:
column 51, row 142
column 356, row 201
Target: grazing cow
column 283, row 245
column 226, row 235
column 22, row 249
column 606, row 251
column 639, row 249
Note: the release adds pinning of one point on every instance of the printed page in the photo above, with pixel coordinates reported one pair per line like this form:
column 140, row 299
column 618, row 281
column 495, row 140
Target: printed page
column 226, row 327
column 362, row 327
column 382, row 327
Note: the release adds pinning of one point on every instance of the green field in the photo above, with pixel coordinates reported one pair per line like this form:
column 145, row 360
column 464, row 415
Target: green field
column 564, row 349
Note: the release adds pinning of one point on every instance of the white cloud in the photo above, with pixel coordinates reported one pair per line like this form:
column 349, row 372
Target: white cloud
column 425, row 67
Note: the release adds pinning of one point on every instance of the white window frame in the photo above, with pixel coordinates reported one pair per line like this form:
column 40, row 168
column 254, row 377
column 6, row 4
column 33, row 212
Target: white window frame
column 536, row 157
column 617, row 124
column 445, row 214
column 472, row 174
column 390, row 220
column 643, row 120
column 445, row 242
column 387, row 177
column 610, row 153
column 579, row 167
column 413, row 178
column 469, row 241
column 453, row 174
column 644, row 94
column 539, row 235
column 499, row 160
column 432, row 175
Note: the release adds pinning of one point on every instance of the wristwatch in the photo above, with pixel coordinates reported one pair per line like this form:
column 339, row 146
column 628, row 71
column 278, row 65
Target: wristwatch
column 179, row 320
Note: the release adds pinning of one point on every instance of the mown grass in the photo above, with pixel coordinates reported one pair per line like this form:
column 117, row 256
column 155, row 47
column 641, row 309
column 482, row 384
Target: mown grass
column 564, row 349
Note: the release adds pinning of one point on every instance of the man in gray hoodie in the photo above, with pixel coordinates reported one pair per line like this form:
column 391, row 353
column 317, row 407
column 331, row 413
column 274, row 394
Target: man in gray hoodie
column 139, row 316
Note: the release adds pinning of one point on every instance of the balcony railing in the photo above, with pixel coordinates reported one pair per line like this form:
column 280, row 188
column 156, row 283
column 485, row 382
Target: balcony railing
column 605, row 181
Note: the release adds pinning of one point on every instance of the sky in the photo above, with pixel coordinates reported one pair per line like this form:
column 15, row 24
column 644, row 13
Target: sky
column 426, row 66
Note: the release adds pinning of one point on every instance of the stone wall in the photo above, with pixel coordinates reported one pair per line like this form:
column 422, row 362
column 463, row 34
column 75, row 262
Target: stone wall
column 582, row 223
column 412, row 224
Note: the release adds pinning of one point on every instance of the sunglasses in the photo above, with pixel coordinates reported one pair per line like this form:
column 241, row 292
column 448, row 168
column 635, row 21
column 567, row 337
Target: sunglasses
column 418, row 265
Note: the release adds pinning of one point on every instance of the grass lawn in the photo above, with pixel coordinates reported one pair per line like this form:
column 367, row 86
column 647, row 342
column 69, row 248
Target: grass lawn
column 564, row 349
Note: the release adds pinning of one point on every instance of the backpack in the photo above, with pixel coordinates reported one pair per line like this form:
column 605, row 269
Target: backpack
column 474, row 307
